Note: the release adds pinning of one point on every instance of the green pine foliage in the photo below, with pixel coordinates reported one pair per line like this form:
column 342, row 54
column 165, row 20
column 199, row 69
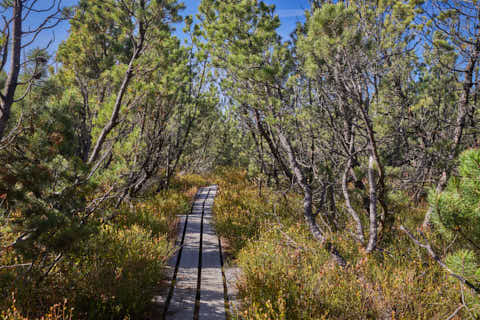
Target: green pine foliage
column 457, row 213
column 287, row 275
column 320, row 142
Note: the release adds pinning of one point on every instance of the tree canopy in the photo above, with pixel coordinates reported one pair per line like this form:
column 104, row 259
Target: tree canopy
column 367, row 113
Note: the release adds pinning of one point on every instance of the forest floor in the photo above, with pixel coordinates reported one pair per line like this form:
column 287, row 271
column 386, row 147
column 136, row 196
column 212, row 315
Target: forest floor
column 235, row 242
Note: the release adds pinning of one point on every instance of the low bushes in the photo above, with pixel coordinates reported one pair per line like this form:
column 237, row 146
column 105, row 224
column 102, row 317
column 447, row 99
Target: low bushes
column 240, row 213
column 119, row 274
column 112, row 274
column 288, row 275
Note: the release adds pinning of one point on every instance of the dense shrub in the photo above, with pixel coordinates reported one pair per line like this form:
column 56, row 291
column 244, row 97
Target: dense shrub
column 120, row 273
column 456, row 218
column 59, row 311
column 288, row 275
column 114, row 273
column 240, row 211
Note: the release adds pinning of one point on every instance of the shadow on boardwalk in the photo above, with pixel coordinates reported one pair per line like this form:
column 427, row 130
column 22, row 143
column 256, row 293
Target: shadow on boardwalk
column 198, row 289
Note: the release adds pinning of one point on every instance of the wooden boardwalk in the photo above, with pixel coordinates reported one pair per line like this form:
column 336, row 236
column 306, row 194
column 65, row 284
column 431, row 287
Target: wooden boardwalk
column 198, row 289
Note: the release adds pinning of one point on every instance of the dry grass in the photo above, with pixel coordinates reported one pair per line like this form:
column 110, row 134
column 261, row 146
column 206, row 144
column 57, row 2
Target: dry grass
column 116, row 271
column 287, row 275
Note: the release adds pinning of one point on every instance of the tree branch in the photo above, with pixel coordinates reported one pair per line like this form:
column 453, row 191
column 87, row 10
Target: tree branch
column 435, row 257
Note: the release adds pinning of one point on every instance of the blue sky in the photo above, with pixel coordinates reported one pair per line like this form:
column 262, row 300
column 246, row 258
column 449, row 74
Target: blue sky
column 289, row 11
column 57, row 35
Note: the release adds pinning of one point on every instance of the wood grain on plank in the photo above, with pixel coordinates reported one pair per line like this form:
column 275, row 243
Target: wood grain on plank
column 212, row 300
column 182, row 303
column 211, row 304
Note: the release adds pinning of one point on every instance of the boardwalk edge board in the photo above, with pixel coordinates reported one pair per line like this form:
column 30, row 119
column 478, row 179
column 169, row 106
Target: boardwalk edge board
column 178, row 255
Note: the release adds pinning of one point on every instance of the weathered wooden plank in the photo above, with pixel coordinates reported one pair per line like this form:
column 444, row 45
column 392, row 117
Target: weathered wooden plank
column 211, row 304
column 212, row 300
column 160, row 299
column 182, row 303
column 232, row 274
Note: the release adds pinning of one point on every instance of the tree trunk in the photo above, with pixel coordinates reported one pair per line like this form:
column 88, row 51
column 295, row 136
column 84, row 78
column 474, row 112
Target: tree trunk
column 307, row 202
column 346, row 195
column 112, row 123
column 7, row 98
column 459, row 128
column 373, row 231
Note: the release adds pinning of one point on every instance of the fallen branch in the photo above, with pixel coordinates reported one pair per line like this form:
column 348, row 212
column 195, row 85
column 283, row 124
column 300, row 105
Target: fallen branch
column 435, row 257
column 16, row 266
column 455, row 312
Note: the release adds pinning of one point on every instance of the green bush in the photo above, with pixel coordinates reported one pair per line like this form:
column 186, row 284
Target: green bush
column 288, row 275
column 121, row 272
column 114, row 273
column 456, row 217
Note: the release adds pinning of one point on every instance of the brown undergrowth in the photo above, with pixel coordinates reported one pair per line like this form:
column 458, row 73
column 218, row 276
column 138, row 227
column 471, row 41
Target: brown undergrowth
column 288, row 275
column 115, row 272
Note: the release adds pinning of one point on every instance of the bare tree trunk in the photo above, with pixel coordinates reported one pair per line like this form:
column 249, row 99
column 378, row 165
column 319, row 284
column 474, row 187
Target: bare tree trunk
column 7, row 98
column 307, row 202
column 373, row 232
column 346, row 195
column 379, row 192
column 459, row 128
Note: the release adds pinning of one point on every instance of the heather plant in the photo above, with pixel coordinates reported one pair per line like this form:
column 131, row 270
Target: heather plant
column 115, row 272
column 240, row 212
column 121, row 275
column 59, row 311
column 287, row 275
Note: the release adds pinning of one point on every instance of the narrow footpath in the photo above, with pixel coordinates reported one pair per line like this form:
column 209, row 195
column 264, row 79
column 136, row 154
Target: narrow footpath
column 198, row 289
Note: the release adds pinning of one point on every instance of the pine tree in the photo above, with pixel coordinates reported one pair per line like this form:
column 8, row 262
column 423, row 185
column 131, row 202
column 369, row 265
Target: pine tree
column 457, row 213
